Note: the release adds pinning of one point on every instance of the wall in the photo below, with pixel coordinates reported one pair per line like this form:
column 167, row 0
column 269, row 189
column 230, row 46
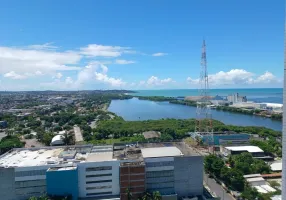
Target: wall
column 108, row 187
column 7, row 190
column 160, row 175
column 188, row 175
column 30, row 181
column 22, row 182
column 133, row 178
column 63, row 183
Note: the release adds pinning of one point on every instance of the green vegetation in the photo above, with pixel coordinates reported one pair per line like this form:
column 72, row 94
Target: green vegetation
column 269, row 146
column 277, row 116
column 45, row 197
column 171, row 129
column 117, row 128
column 155, row 98
column 9, row 142
column 46, row 121
column 184, row 102
column 232, row 176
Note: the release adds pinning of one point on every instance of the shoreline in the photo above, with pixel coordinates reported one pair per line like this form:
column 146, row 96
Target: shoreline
column 174, row 100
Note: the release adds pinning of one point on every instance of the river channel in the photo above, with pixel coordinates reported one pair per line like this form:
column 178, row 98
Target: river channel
column 135, row 109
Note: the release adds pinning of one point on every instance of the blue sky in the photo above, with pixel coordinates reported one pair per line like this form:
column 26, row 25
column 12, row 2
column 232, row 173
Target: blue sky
column 106, row 44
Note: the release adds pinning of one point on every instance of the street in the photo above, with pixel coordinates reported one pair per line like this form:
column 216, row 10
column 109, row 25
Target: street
column 216, row 188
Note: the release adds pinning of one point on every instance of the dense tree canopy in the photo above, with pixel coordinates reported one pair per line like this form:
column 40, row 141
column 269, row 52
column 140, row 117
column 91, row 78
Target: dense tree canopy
column 239, row 165
column 10, row 142
column 171, row 129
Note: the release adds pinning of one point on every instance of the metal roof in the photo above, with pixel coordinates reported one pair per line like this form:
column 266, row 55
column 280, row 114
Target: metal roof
column 277, row 166
column 256, row 179
column 250, row 149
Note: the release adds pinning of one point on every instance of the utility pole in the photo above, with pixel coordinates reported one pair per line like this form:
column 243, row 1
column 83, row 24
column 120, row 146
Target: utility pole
column 203, row 114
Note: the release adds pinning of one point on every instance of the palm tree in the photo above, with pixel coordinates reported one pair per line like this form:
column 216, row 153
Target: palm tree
column 157, row 195
column 9, row 132
column 129, row 195
column 67, row 138
column 147, row 196
column 44, row 197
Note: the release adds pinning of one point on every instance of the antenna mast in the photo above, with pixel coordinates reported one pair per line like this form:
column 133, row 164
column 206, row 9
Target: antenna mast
column 203, row 115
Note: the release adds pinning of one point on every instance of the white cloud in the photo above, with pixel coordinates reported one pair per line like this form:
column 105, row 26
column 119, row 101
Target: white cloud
column 14, row 75
column 124, row 62
column 21, row 60
column 69, row 82
column 267, row 77
column 155, row 81
column 58, row 76
column 39, row 73
column 141, row 83
column 236, row 77
column 46, row 46
column 159, row 54
column 93, row 73
column 109, row 80
column 45, row 59
column 95, row 50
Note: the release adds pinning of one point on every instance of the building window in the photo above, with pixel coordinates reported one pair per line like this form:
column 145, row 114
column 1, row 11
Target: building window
column 165, row 173
column 30, row 173
column 98, row 193
column 160, row 185
column 26, row 184
column 103, row 181
column 160, row 164
column 99, row 168
column 98, row 187
column 98, row 175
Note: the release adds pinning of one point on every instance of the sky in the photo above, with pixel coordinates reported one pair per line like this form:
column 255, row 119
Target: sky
column 151, row 44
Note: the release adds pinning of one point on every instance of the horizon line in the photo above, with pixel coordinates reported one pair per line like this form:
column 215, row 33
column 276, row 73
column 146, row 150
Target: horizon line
column 135, row 89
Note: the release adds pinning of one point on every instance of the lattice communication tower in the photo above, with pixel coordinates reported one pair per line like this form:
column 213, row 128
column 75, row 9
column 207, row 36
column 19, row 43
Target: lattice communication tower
column 203, row 115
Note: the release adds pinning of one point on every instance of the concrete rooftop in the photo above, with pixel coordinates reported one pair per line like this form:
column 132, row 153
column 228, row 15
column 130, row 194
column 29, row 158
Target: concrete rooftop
column 161, row 152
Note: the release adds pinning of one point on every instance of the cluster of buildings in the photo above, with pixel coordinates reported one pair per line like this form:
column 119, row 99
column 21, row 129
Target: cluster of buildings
column 235, row 98
column 259, row 183
column 228, row 143
column 13, row 102
column 107, row 172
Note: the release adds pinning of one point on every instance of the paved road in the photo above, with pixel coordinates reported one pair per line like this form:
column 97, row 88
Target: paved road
column 77, row 133
column 217, row 189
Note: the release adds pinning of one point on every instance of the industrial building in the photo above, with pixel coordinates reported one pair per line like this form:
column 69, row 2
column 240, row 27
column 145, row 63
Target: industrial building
column 220, row 138
column 235, row 98
column 255, row 151
column 87, row 171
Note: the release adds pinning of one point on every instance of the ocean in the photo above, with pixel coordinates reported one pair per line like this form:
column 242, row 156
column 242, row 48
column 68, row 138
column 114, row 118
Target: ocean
column 259, row 95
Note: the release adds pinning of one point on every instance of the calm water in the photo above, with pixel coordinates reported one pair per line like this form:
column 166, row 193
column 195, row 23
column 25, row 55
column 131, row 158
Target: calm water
column 134, row 109
column 269, row 95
